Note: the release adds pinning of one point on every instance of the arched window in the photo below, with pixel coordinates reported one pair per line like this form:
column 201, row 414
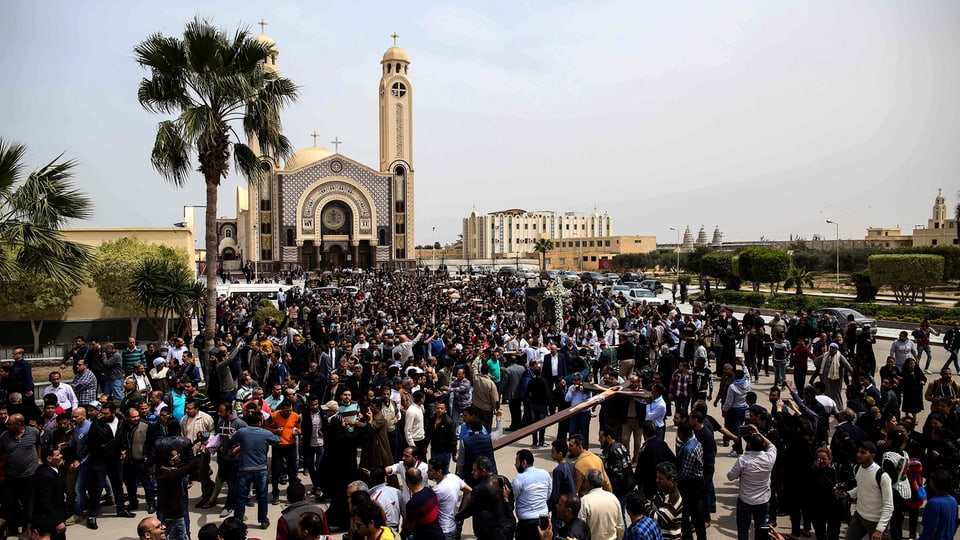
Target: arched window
column 290, row 241
column 382, row 236
column 228, row 232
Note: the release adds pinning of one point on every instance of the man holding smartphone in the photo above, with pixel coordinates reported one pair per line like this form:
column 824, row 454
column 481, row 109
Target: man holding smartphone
column 753, row 469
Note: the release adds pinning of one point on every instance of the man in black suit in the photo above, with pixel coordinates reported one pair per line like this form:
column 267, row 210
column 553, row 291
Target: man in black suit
column 653, row 452
column 330, row 357
column 48, row 494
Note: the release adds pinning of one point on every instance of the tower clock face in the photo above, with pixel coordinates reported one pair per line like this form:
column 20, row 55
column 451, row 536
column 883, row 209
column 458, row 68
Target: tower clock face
column 334, row 218
column 398, row 89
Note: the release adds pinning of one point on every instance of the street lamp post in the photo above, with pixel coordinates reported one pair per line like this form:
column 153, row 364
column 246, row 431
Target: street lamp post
column 678, row 251
column 838, row 250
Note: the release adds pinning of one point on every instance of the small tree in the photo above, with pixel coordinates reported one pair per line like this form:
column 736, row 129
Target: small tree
column 718, row 266
column 797, row 278
column 542, row 246
column 907, row 275
column 164, row 287
column 764, row 265
column 37, row 298
column 113, row 268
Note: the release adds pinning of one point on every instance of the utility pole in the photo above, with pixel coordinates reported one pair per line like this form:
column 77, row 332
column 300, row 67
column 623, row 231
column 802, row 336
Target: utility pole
column 838, row 250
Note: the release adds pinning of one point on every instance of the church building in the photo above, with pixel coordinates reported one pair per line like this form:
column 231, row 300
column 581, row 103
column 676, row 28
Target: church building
column 321, row 210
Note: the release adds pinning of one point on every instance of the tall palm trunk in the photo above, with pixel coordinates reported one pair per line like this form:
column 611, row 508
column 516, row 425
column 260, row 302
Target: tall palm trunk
column 210, row 225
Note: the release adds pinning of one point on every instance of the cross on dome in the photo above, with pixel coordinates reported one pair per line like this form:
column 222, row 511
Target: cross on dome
column 336, row 142
column 262, row 23
column 394, row 36
column 314, row 135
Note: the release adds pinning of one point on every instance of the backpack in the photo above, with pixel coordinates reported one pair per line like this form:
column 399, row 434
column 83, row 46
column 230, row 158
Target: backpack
column 918, row 495
column 918, row 334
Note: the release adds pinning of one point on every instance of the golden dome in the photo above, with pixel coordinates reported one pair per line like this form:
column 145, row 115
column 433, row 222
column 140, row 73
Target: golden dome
column 266, row 39
column 395, row 54
column 307, row 156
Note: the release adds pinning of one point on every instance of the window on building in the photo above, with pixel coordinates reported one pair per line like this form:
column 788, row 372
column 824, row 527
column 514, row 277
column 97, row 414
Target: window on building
column 956, row 241
column 606, row 243
column 585, row 258
column 401, row 254
column 593, row 258
column 265, row 228
column 568, row 226
column 399, row 207
column 400, row 228
column 290, row 242
column 398, row 89
column 228, row 232
column 266, row 254
column 265, row 205
column 382, row 236
column 933, row 242
column 591, row 243
column 562, row 261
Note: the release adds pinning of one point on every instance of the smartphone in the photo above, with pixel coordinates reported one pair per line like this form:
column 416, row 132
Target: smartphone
column 500, row 482
column 544, row 522
column 763, row 532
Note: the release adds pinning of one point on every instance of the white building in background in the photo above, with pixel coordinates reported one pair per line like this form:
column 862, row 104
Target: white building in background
column 507, row 233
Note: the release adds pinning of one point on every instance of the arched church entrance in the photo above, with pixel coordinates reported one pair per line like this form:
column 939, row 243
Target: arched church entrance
column 334, row 258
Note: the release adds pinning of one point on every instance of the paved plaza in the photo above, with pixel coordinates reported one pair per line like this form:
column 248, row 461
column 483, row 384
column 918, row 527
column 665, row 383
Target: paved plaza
column 723, row 524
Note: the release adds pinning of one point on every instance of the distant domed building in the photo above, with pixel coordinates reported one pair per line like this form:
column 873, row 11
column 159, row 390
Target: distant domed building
column 701, row 237
column 687, row 244
column 323, row 210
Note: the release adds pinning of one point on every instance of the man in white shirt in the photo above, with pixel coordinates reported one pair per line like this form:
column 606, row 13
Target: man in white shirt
column 874, row 497
column 176, row 352
column 387, row 497
column 531, row 489
column 753, row 469
column 66, row 398
column 413, row 427
column 411, row 458
column 601, row 510
column 448, row 488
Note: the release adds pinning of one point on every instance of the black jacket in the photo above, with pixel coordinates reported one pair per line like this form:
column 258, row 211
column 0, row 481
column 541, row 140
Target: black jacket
column 443, row 438
column 102, row 443
column 48, row 496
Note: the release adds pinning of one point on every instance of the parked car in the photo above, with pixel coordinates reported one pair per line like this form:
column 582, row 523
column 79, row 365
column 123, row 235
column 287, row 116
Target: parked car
column 570, row 275
column 652, row 285
column 507, row 271
column 841, row 314
column 631, row 276
column 635, row 296
column 593, row 277
column 612, row 278
column 617, row 290
column 526, row 273
column 549, row 275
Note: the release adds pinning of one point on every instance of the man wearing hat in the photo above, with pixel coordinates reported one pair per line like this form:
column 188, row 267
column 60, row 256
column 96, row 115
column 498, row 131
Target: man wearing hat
column 874, row 497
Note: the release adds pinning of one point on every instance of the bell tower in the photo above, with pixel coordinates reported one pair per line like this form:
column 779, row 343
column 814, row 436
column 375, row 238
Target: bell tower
column 396, row 144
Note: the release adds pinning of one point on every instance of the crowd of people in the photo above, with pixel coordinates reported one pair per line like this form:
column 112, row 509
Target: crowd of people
column 379, row 411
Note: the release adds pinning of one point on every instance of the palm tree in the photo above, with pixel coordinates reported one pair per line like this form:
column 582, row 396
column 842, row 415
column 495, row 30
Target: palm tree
column 542, row 246
column 215, row 84
column 798, row 277
column 32, row 214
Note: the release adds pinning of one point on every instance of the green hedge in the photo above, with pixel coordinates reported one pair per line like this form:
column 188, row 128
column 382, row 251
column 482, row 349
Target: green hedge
column 792, row 302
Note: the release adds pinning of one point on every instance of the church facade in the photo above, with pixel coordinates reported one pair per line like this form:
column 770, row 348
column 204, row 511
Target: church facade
column 321, row 210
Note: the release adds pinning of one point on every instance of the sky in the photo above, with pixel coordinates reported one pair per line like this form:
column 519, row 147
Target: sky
column 761, row 118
